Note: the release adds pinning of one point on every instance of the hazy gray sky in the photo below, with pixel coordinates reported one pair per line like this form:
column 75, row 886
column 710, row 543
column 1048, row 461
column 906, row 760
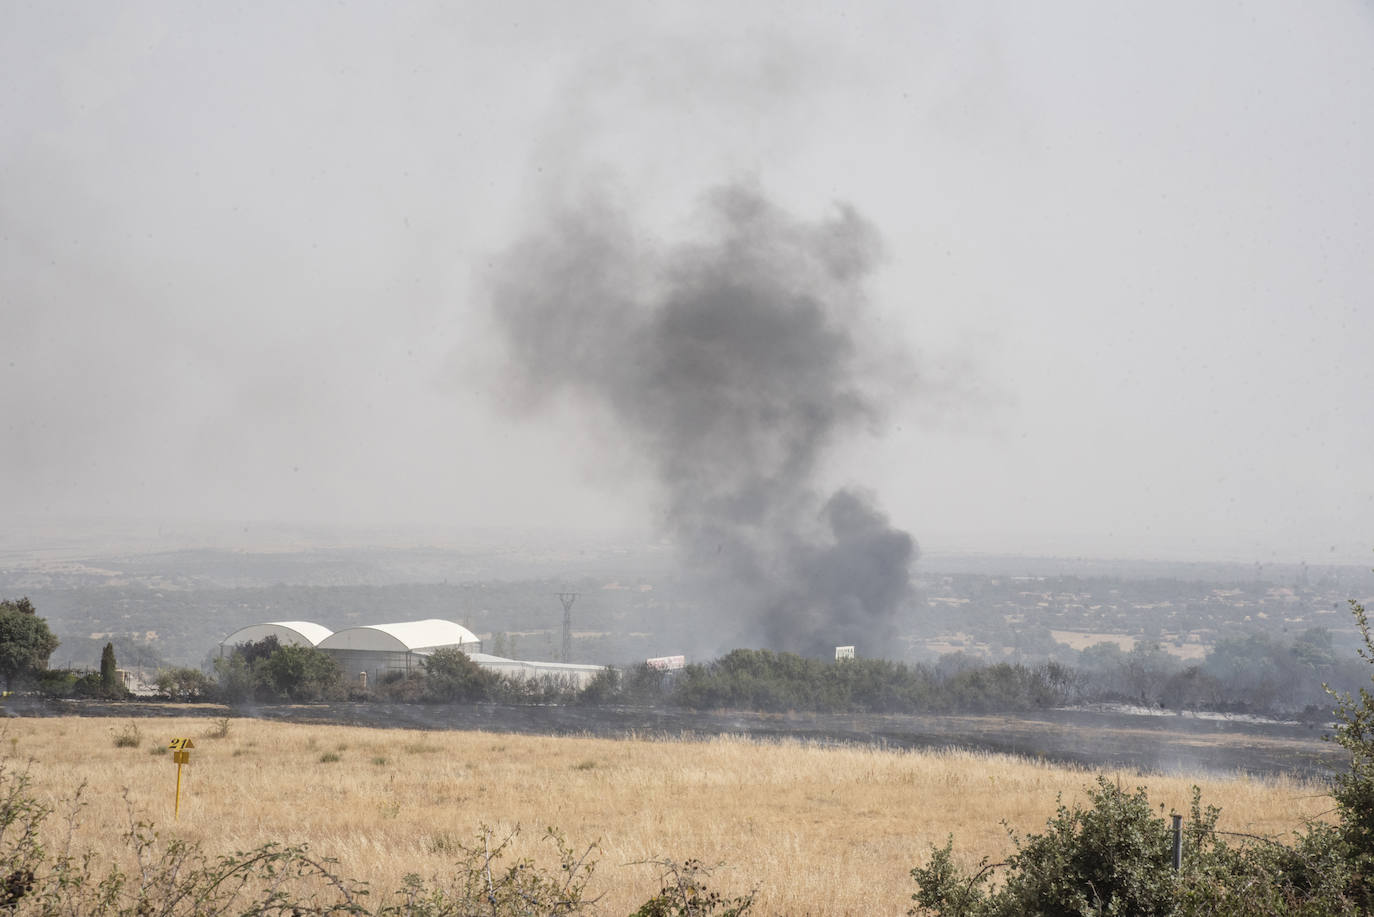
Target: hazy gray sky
column 245, row 254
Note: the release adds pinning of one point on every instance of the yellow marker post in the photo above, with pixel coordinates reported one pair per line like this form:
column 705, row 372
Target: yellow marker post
column 181, row 754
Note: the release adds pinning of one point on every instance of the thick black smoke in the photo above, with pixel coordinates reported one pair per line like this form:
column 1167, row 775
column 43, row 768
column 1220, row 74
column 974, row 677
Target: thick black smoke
column 730, row 364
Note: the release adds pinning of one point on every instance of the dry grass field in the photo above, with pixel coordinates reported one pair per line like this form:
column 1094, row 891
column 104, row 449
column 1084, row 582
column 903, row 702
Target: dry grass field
column 816, row 830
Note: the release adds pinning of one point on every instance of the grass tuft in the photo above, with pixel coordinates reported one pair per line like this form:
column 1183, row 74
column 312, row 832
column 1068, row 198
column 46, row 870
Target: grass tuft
column 128, row 737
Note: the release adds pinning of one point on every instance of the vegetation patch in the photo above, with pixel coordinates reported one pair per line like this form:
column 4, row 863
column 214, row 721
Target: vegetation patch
column 1115, row 855
column 129, row 736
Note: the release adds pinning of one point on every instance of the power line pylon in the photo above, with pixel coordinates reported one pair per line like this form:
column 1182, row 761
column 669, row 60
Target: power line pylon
column 567, row 598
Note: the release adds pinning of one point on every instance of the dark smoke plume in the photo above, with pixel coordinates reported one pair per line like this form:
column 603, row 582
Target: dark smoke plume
column 730, row 365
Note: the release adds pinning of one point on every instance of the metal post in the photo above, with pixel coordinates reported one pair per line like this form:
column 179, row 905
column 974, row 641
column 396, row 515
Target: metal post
column 1178, row 843
column 176, row 808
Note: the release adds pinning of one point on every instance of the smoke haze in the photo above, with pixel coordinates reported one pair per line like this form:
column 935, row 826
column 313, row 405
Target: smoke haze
column 239, row 245
column 731, row 363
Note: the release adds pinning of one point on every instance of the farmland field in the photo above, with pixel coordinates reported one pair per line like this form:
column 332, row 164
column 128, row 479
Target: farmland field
column 816, row 829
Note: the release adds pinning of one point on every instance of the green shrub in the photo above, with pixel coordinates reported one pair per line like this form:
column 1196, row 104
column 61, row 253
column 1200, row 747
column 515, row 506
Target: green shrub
column 1114, row 856
column 185, row 684
column 56, row 682
column 451, row 675
column 1354, row 788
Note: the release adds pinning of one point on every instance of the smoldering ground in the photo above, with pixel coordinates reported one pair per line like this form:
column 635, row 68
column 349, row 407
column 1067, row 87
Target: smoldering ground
column 729, row 364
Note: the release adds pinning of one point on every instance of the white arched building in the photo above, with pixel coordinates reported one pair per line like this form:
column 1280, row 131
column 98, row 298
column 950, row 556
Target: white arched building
column 288, row 633
column 376, row 649
column 380, row 648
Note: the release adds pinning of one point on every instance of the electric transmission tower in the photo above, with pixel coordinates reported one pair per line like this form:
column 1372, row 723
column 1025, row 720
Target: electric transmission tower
column 567, row 598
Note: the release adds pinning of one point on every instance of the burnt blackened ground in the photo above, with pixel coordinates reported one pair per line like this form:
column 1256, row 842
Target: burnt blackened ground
column 1092, row 739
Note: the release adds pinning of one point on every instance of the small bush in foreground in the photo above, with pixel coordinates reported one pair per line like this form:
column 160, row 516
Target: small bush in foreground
column 684, row 894
column 1114, row 856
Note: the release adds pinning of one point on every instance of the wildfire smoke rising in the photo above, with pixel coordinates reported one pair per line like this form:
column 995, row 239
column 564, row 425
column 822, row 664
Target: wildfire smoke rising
column 730, row 364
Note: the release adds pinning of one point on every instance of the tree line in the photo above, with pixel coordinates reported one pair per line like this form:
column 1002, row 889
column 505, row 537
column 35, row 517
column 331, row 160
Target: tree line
column 1253, row 673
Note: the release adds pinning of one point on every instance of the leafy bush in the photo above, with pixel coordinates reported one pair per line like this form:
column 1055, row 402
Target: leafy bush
column 25, row 642
column 185, row 684
column 268, row 671
column 1114, row 856
column 603, row 688
column 482, row 884
column 402, row 687
column 57, row 682
column 451, row 675
column 1354, row 788
column 684, row 894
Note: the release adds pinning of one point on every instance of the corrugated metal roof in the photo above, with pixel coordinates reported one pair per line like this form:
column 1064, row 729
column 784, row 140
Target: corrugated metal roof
column 523, row 668
column 290, row 633
column 402, row 636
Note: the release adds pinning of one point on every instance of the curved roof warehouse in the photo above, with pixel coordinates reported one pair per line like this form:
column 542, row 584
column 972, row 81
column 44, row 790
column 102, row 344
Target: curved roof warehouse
column 288, row 633
column 376, row 649
column 407, row 636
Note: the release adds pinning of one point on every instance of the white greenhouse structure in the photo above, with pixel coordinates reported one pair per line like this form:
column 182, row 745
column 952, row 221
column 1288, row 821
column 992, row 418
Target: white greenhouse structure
column 381, row 648
column 288, row 633
column 375, row 650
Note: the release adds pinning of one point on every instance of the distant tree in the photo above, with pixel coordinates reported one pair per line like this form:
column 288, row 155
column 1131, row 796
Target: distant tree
column 401, row 687
column 643, row 684
column 604, row 688
column 1146, row 670
column 259, row 650
column 185, row 684
column 1312, row 651
column 451, row 675
column 269, row 671
column 1251, row 667
column 299, row 673
column 235, row 678
column 25, row 641
column 110, row 685
column 1192, row 689
column 56, row 682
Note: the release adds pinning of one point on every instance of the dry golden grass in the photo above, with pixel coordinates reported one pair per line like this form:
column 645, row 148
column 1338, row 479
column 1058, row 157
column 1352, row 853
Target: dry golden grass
column 818, row 830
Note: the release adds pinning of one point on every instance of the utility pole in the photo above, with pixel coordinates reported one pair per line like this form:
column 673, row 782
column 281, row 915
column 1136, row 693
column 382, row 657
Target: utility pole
column 567, row 598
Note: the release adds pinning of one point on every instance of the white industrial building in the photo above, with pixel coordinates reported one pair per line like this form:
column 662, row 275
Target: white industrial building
column 577, row 673
column 381, row 648
column 288, row 633
column 377, row 649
